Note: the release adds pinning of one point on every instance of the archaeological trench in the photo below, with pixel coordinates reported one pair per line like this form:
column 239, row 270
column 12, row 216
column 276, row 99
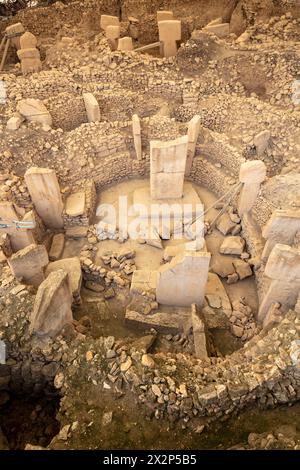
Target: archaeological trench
column 158, row 341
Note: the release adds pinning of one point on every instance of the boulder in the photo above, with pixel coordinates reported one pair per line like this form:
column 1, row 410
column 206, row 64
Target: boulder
column 232, row 246
column 225, row 224
column 34, row 110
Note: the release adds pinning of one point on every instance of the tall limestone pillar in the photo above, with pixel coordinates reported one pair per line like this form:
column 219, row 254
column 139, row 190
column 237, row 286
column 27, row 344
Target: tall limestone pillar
column 45, row 194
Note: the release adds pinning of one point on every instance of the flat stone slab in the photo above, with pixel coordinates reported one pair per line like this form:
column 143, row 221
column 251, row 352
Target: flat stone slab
column 143, row 281
column 75, row 204
column 165, row 322
column 57, row 246
column 72, row 267
column 216, row 295
column 190, row 197
column 76, row 232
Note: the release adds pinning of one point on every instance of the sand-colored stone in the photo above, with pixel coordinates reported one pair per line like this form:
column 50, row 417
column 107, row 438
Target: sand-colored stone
column 15, row 29
column 182, row 281
column 252, row 174
column 52, row 306
column 281, row 228
column 169, row 33
column 221, row 30
column 28, row 41
column 193, row 133
column 57, row 246
column 125, row 44
column 75, row 204
column 28, row 264
column 164, row 15
column 107, row 20
column 73, row 268
column 137, row 138
column 200, row 333
column 167, row 168
column 19, row 238
column 45, row 193
column 92, row 107
column 34, row 110
column 283, row 268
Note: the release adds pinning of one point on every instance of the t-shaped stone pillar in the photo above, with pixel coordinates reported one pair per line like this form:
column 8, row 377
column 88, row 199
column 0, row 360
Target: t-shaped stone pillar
column 113, row 34
column 111, row 26
column 169, row 33
column 281, row 228
column 164, row 15
column 19, row 238
column 252, row 174
column 167, row 167
column 283, row 268
column 193, row 133
column 45, row 194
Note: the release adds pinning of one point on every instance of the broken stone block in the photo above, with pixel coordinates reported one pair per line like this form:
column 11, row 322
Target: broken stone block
column 34, row 110
column 225, row 224
column 222, row 267
column 107, row 20
column 91, row 107
column 165, row 322
column 28, row 41
column 30, row 60
column 242, row 268
column 52, row 306
column 28, row 264
column 14, row 123
column 72, row 267
column 15, row 29
column 261, row 142
column 57, row 247
column 125, row 44
column 75, row 204
column 182, row 281
column 216, row 295
column 232, row 246
column 19, row 238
